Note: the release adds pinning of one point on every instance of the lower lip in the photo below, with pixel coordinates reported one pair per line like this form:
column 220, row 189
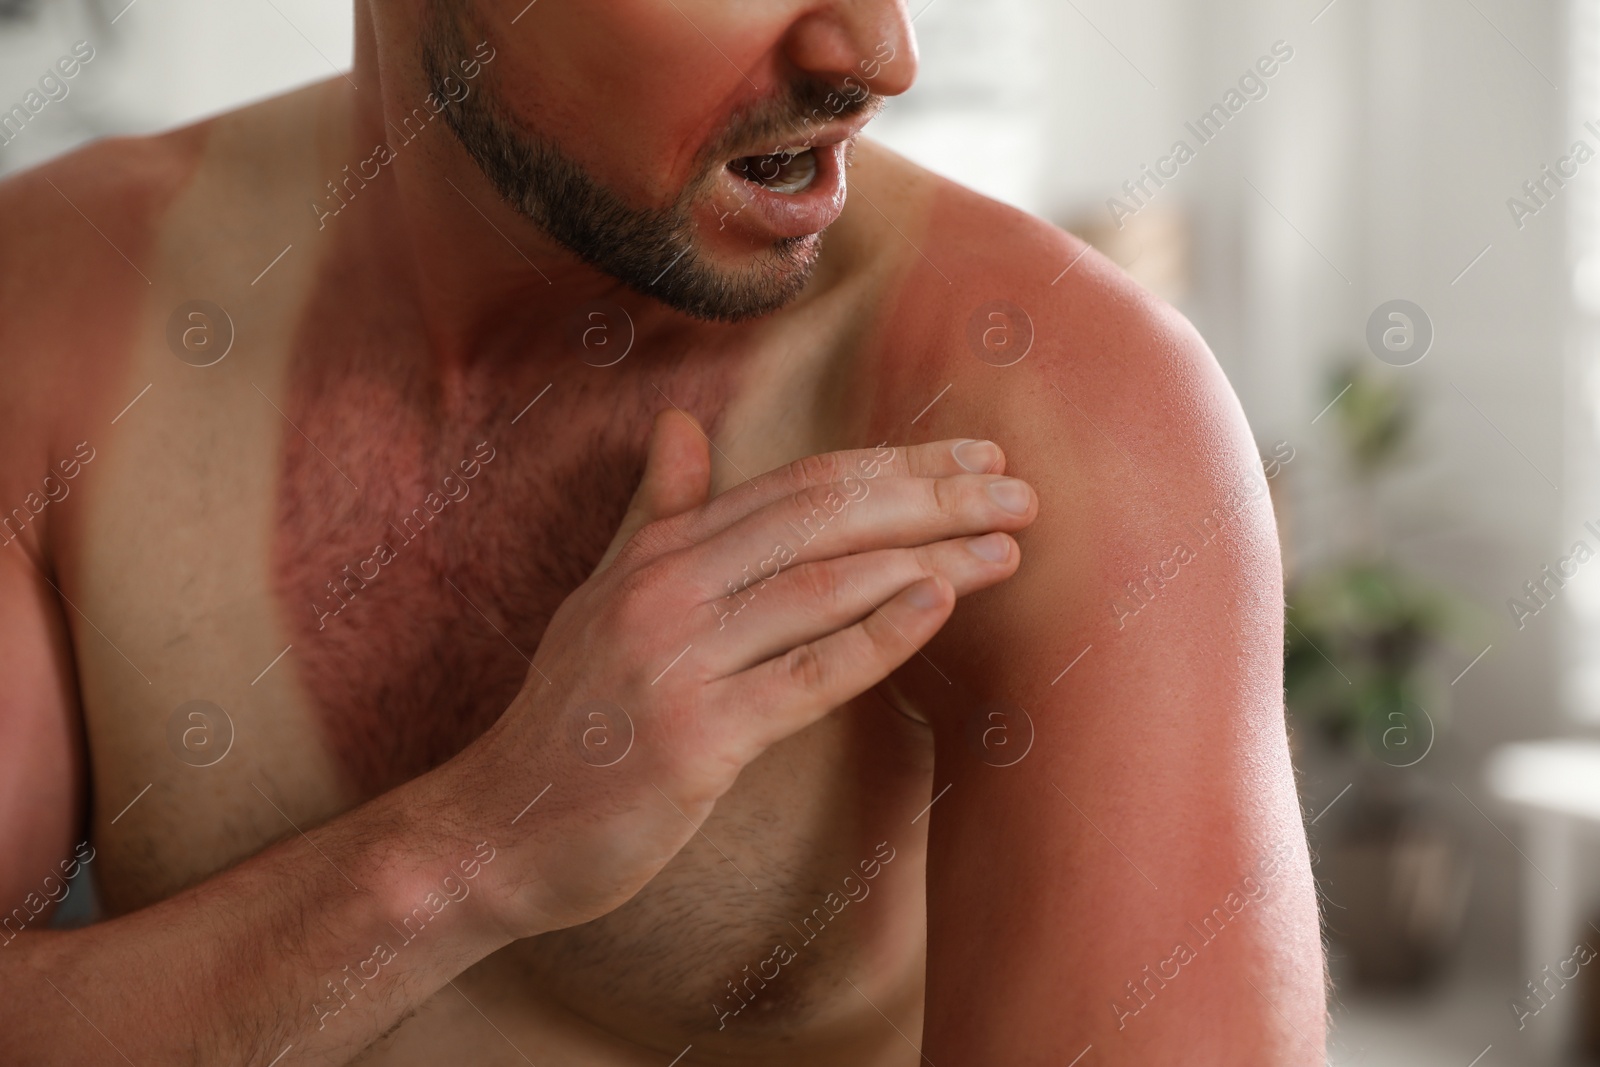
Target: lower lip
column 812, row 210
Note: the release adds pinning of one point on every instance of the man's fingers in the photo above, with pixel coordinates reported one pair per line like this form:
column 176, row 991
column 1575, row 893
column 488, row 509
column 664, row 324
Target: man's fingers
column 677, row 477
column 786, row 694
column 809, row 601
column 825, row 522
column 865, row 466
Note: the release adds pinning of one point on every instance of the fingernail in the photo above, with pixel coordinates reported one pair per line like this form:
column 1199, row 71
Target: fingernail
column 993, row 548
column 1011, row 494
column 976, row 456
column 924, row 595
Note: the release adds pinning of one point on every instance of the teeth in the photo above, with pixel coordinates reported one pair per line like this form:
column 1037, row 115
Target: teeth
column 779, row 173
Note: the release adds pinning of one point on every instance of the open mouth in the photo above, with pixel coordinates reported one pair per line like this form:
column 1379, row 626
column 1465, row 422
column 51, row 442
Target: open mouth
column 781, row 172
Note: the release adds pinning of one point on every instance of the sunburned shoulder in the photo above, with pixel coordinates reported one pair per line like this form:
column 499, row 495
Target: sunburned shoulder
column 1024, row 332
column 88, row 212
column 1108, row 402
column 86, row 240
column 115, row 187
column 77, row 235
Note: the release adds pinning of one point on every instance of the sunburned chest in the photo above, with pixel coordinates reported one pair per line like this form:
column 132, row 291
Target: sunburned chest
column 421, row 545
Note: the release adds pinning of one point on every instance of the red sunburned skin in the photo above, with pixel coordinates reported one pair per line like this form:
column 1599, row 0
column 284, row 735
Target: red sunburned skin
column 395, row 700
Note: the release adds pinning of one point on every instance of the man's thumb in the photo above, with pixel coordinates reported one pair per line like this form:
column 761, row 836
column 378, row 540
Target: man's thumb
column 677, row 477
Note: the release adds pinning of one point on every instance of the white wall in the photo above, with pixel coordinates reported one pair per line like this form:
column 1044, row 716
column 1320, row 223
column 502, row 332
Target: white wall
column 161, row 63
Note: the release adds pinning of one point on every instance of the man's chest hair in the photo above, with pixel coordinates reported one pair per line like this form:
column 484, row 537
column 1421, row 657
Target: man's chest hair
column 418, row 560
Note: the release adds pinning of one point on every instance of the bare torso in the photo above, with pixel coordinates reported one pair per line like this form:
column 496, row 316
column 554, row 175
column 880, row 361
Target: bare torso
column 352, row 551
column 346, row 537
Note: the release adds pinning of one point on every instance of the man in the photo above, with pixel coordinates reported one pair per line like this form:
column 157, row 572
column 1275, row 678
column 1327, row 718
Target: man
column 397, row 720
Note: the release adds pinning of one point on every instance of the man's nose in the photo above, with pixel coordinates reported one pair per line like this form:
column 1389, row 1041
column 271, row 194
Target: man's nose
column 870, row 40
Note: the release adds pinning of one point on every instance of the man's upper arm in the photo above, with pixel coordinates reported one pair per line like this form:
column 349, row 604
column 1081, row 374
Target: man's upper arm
column 1138, row 880
column 42, row 763
column 41, row 750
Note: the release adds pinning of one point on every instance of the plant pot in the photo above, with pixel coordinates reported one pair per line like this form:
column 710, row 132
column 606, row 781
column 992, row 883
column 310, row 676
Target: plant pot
column 1395, row 880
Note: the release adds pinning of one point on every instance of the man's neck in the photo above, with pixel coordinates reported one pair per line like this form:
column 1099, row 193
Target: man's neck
column 438, row 232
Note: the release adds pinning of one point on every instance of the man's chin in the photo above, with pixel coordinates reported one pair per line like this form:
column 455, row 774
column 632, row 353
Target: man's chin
column 714, row 285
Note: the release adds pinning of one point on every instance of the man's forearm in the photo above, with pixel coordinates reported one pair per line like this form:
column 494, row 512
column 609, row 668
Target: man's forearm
column 321, row 942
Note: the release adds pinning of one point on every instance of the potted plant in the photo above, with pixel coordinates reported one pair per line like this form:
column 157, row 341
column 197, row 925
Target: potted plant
column 1363, row 676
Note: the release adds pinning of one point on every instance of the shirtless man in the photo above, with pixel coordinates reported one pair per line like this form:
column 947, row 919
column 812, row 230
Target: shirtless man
column 398, row 721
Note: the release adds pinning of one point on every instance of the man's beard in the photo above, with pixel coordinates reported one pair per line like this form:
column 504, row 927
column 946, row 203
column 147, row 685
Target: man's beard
column 651, row 250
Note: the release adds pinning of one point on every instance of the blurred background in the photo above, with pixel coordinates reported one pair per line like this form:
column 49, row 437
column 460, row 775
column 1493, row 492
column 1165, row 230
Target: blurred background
column 1392, row 244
